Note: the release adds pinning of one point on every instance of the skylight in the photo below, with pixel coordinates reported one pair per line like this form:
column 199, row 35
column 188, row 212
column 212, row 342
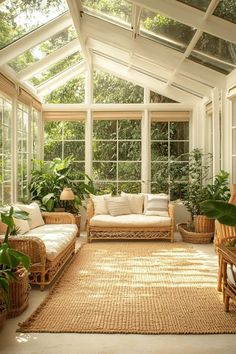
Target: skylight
column 199, row 4
column 19, row 17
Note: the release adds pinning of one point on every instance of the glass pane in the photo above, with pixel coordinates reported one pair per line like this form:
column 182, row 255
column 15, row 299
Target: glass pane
column 105, row 187
column 77, row 168
column 53, row 130
column 111, row 89
column 199, row 4
column 102, row 129
column 159, row 151
column 113, row 10
column 159, row 131
column 179, row 171
column 159, row 172
column 19, row 17
column 74, row 130
column 157, row 98
column 160, row 188
column 129, row 187
column 178, row 148
column 179, row 130
column 72, row 92
column 129, row 170
column 75, row 148
column 165, row 30
column 104, row 151
column 104, row 171
column 226, row 10
column 177, row 192
column 129, row 129
column 52, row 149
column 129, row 150
column 53, row 70
column 37, row 53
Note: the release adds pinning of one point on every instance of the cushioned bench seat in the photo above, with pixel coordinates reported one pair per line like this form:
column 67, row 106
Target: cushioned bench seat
column 130, row 220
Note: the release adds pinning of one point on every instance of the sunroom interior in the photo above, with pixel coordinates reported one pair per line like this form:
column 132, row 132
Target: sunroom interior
column 125, row 87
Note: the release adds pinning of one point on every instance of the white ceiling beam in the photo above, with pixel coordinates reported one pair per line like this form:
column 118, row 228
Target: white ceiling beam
column 144, row 80
column 50, row 59
column 191, row 17
column 76, row 11
column 32, row 39
column 61, row 79
column 168, row 58
column 136, row 12
column 152, row 69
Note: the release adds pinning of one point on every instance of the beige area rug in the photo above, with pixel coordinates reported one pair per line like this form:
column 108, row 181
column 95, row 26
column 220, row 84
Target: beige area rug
column 136, row 287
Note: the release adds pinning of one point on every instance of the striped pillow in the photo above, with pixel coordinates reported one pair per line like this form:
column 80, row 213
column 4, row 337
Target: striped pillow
column 118, row 205
column 157, row 204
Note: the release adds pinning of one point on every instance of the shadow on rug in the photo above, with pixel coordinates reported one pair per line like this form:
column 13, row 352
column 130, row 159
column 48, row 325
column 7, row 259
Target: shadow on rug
column 135, row 287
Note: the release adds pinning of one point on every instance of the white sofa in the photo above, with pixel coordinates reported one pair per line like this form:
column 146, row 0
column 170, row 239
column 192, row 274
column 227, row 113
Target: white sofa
column 110, row 218
column 48, row 238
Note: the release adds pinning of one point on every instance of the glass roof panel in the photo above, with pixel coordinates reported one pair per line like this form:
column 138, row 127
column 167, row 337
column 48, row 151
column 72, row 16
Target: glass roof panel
column 199, row 4
column 119, row 12
column 19, row 17
column 55, row 69
column 34, row 54
column 217, row 51
column 226, row 10
column 165, row 30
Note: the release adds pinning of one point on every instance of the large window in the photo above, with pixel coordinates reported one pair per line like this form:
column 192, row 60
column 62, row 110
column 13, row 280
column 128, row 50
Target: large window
column 64, row 139
column 35, row 137
column 169, row 143
column 5, row 150
column 22, row 151
column 117, row 155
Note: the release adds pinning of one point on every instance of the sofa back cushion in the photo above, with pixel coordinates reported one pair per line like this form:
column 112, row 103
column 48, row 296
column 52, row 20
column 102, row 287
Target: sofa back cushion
column 35, row 218
column 22, row 226
column 156, row 204
column 100, row 206
column 118, row 205
column 135, row 202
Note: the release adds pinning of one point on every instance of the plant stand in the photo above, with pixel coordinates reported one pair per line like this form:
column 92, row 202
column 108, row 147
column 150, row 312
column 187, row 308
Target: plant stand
column 194, row 237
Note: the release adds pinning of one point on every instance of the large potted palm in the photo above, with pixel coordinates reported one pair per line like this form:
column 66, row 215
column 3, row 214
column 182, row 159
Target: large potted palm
column 14, row 283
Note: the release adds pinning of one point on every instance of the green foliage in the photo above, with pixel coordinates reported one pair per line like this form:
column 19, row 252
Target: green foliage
column 49, row 178
column 10, row 259
column 219, row 190
column 224, row 212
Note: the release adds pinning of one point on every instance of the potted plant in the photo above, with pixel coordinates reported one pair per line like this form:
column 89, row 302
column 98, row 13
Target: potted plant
column 48, row 179
column 13, row 264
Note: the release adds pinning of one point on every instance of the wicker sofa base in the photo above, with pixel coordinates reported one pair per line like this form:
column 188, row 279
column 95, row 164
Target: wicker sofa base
column 129, row 235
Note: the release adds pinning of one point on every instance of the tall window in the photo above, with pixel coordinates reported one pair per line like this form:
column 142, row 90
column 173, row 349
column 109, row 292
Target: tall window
column 117, row 155
column 169, row 140
column 234, row 143
column 63, row 139
column 22, row 151
column 35, row 134
column 5, row 150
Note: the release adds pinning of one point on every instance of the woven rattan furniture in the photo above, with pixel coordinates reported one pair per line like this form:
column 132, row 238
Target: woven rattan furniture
column 228, row 259
column 192, row 236
column 19, row 294
column 129, row 233
column 43, row 271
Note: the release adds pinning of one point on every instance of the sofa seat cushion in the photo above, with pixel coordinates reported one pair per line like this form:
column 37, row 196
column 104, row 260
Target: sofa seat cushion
column 55, row 237
column 131, row 220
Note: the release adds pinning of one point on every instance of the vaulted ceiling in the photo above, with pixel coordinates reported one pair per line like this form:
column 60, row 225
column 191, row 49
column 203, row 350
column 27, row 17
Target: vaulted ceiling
column 180, row 49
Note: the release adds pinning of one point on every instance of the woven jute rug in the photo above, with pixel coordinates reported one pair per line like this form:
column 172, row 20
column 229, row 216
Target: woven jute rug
column 135, row 287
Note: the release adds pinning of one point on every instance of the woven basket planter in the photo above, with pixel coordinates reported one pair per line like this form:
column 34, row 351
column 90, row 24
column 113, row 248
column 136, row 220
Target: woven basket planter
column 203, row 224
column 194, row 237
column 19, row 294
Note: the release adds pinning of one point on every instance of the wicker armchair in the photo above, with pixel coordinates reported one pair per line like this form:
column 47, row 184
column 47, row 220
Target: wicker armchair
column 42, row 271
column 128, row 233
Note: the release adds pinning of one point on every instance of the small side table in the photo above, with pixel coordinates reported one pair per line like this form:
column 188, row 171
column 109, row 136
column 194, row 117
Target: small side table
column 77, row 221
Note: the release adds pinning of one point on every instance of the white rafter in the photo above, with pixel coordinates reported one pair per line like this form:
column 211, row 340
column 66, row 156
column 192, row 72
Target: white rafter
column 191, row 17
column 50, row 59
column 61, row 78
column 136, row 12
column 32, row 39
column 120, row 38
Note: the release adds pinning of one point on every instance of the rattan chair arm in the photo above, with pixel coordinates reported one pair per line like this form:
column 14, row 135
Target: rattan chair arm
column 89, row 210
column 30, row 245
column 223, row 231
column 171, row 210
column 58, row 218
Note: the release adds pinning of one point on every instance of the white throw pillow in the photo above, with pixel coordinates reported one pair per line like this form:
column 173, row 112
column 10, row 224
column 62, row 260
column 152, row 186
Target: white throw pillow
column 135, row 202
column 118, row 205
column 157, row 204
column 35, row 218
column 100, row 206
column 22, row 226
